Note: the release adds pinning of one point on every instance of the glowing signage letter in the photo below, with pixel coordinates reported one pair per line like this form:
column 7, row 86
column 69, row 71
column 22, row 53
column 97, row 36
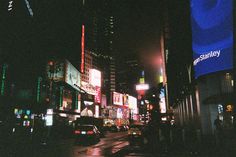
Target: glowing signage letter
column 10, row 6
column 29, row 8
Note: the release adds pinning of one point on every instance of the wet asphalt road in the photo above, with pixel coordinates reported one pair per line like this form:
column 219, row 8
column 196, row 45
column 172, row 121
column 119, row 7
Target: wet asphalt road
column 113, row 145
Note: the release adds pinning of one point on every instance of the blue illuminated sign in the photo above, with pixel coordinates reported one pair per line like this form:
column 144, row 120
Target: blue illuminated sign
column 212, row 34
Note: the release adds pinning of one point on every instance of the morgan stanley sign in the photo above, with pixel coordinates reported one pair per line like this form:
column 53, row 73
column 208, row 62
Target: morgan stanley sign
column 212, row 35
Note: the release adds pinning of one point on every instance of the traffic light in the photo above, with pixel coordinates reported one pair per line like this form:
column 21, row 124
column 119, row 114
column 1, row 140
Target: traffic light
column 51, row 66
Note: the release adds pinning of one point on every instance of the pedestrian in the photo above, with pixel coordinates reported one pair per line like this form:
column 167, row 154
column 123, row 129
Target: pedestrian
column 218, row 131
column 151, row 133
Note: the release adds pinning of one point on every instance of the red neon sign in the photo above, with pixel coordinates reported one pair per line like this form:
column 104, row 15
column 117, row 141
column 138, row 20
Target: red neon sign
column 98, row 95
column 82, row 50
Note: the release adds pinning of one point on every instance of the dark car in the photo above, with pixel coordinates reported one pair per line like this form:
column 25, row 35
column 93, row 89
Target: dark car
column 123, row 128
column 135, row 134
column 87, row 133
column 102, row 131
column 114, row 128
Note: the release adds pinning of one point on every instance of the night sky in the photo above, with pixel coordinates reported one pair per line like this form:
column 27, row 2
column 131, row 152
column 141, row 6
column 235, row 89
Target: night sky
column 54, row 30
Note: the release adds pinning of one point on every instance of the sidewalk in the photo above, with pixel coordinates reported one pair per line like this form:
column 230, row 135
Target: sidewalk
column 226, row 148
column 207, row 147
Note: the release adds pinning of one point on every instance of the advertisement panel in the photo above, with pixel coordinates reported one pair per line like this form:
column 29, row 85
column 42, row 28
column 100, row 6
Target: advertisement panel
column 88, row 88
column 96, row 111
column 162, row 102
column 72, row 75
column 67, row 100
column 212, row 35
column 133, row 104
column 97, row 97
column 119, row 113
column 95, row 77
column 117, row 98
column 104, row 101
column 142, row 87
column 55, row 70
column 49, row 117
column 126, row 100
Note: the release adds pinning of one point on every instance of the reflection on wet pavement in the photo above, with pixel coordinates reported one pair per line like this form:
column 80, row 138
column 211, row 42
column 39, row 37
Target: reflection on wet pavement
column 102, row 149
column 106, row 147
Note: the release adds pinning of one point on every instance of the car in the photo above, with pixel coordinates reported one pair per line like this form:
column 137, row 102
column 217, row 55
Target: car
column 86, row 134
column 114, row 128
column 102, row 131
column 135, row 135
column 123, row 128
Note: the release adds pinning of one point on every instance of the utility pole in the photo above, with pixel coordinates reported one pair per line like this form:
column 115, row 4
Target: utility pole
column 51, row 71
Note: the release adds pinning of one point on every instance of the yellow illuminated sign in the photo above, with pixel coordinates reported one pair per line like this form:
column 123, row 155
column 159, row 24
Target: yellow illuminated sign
column 141, row 80
column 229, row 108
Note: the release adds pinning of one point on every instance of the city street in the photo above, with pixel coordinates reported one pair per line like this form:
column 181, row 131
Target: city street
column 117, row 78
column 113, row 145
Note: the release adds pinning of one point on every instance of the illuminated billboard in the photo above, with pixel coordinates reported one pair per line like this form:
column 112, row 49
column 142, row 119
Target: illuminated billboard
column 117, row 98
column 82, row 51
column 97, row 97
column 72, row 75
column 212, row 35
column 55, row 70
column 162, row 102
column 142, row 86
column 132, row 101
column 126, row 100
column 67, row 100
column 88, row 88
column 64, row 71
column 95, row 77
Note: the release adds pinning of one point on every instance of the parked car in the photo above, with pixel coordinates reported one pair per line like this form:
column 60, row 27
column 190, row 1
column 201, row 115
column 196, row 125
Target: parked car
column 135, row 135
column 86, row 133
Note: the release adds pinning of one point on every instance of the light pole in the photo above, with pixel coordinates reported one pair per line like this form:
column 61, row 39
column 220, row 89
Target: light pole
column 51, row 71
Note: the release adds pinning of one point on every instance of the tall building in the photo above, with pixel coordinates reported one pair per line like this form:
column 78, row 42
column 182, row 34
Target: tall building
column 88, row 61
column 200, row 64
column 128, row 74
column 108, row 26
column 181, row 94
column 99, row 38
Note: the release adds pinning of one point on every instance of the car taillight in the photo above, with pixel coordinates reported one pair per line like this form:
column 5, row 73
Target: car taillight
column 77, row 131
column 90, row 132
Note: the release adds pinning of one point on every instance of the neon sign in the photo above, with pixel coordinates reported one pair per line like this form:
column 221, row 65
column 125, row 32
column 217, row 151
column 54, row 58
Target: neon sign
column 82, row 50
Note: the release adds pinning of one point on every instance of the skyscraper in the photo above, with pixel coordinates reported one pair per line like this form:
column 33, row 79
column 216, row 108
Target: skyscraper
column 99, row 38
